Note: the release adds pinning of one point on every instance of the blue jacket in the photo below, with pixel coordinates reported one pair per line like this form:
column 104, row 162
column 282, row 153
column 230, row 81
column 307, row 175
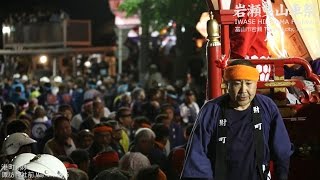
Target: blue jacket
column 200, row 155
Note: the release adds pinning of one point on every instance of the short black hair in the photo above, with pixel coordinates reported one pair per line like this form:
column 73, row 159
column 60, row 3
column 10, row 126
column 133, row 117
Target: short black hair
column 64, row 158
column 160, row 117
column 64, row 107
column 58, row 118
column 8, row 110
column 165, row 107
column 242, row 62
column 141, row 119
column 79, row 155
column 120, row 112
column 161, row 131
column 148, row 173
column 17, row 126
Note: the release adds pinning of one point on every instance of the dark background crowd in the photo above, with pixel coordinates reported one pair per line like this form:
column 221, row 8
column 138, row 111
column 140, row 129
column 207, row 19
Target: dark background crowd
column 95, row 125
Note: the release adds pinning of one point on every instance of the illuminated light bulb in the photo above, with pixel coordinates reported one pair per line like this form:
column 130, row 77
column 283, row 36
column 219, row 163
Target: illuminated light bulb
column 43, row 59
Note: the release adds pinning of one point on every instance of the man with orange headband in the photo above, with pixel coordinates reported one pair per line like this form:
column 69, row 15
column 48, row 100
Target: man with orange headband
column 101, row 140
column 238, row 134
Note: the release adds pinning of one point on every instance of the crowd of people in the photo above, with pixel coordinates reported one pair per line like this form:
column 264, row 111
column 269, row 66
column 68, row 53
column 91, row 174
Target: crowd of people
column 94, row 129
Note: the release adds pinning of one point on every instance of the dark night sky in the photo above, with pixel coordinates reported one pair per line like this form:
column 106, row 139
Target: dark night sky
column 96, row 10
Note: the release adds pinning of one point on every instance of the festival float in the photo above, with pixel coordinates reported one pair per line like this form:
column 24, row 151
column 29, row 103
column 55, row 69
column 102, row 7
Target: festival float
column 276, row 35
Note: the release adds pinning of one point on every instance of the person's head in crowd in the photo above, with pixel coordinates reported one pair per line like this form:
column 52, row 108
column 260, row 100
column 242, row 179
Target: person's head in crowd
column 163, row 118
column 33, row 102
column 132, row 162
column 152, row 172
column 116, row 130
column 87, row 106
column 81, row 158
column 85, row 138
column 144, row 140
column 23, row 104
column 162, row 134
column 105, row 160
column 66, row 110
column 77, row 174
column 171, row 96
column 48, row 166
column 125, row 99
column 8, row 112
column 15, row 144
column 112, row 174
column 61, row 127
column 18, row 126
column 138, row 94
column 124, row 117
column 169, row 110
column 67, row 161
column 102, row 134
column 97, row 109
column 189, row 96
column 141, row 122
column 26, row 117
column 154, row 94
column 39, row 112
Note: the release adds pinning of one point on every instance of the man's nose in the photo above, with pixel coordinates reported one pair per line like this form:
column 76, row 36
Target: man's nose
column 243, row 86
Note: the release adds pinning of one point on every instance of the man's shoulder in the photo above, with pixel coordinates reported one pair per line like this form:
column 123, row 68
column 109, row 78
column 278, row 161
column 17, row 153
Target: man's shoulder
column 266, row 103
column 216, row 101
column 264, row 99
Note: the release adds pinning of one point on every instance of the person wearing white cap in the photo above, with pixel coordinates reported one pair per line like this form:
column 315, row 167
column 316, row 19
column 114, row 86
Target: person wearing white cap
column 45, row 165
column 18, row 162
column 15, row 144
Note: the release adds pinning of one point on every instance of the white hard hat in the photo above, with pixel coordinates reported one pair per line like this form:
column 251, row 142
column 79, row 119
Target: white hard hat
column 47, row 165
column 57, row 79
column 24, row 78
column 13, row 142
column 16, row 76
column 18, row 162
column 45, row 79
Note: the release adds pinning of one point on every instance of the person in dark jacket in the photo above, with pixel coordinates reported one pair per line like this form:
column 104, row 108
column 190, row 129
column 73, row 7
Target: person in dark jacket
column 238, row 134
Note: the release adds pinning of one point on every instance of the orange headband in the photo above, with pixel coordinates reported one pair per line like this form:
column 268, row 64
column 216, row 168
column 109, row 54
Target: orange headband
column 239, row 72
column 101, row 129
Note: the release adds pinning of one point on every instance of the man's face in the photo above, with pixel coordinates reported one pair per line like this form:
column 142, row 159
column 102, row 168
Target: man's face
column 86, row 141
column 242, row 93
column 67, row 113
column 126, row 119
column 103, row 138
column 63, row 130
column 117, row 134
column 170, row 113
column 98, row 110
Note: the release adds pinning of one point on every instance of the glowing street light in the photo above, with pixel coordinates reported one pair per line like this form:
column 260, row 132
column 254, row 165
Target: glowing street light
column 87, row 64
column 43, row 59
column 6, row 30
